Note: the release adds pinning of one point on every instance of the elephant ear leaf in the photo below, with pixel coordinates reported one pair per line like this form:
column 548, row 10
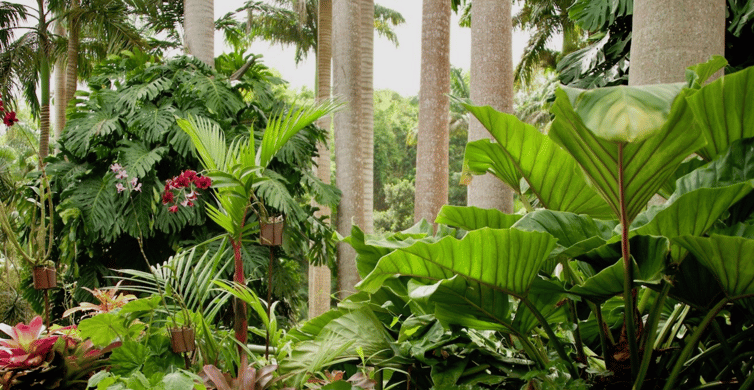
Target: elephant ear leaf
column 721, row 113
column 473, row 218
column 521, row 151
column 728, row 258
column 645, row 151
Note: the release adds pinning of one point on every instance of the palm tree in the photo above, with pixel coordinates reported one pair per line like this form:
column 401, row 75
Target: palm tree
column 434, row 106
column 319, row 275
column 664, row 42
column 199, row 29
column 491, row 84
column 367, row 110
column 349, row 165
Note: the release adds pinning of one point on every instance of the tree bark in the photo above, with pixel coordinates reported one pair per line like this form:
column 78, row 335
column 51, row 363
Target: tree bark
column 434, row 111
column 199, row 29
column 491, row 85
column 348, row 158
column 59, row 88
column 71, row 69
column 367, row 109
column 319, row 276
column 44, row 84
column 670, row 35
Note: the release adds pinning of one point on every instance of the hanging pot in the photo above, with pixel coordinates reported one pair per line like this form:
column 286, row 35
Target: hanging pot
column 182, row 339
column 44, row 277
column 271, row 232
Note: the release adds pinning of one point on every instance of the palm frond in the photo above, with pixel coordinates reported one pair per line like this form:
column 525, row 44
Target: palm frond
column 208, row 139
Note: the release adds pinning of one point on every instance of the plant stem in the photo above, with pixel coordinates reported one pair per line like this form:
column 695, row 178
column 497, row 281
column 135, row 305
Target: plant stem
column 650, row 333
column 691, row 343
column 604, row 331
column 628, row 272
column 269, row 305
column 556, row 342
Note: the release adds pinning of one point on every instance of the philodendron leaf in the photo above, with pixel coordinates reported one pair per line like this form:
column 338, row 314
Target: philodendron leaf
column 722, row 113
column 654, row 142
column 521, row 151
column 473, row 218
column 649, row 255
column 728, row 258
column 506, row 260
column 546, row 297
column 697, row 74
column 576, row 234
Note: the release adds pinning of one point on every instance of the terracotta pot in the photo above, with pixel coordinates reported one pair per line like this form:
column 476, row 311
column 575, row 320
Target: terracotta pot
column 182, row 339
column 44, row 277
column 271, row 233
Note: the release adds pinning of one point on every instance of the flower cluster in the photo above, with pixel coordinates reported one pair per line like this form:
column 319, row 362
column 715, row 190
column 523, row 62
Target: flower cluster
column 9, row 118
column 182, row 190
column 26, row 347
column 121, row 174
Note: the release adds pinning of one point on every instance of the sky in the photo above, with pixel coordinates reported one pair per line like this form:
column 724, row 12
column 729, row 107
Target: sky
column 395, row 68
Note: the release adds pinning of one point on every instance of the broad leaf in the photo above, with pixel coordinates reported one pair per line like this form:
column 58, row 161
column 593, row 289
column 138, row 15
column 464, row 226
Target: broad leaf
column 138, row 159
column 722, row 112
column 729, row 259
column 697, row 74
column 522, row 151
column 505, row 260
column 576, row 234
column 473, row 218
column 546, row 297
column 656, row 141
column 649, row 255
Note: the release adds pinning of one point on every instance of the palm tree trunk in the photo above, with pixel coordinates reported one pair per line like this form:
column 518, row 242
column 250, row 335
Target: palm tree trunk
column 367, row 109
column 319, row 276
column 491, row 84
column 349, row 165
column 434, row 111
column 44, row 84
column 71, row 70
column 670, row 35
column 59, row 88
column 199, row 29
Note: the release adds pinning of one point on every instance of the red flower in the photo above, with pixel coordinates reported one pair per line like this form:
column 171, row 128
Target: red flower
column 10, row 118
column 190, row 175
column 203, row 182
column 168, row 197
column 173, row 209
column 181, row 182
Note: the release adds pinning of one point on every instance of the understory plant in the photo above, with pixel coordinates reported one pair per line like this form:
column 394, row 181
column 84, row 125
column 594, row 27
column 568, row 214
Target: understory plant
column 589, row 286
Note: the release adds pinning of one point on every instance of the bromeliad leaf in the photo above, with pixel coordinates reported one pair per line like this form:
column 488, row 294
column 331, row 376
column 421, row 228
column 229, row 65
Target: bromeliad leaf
column 522, row 151
column 649, row 155
column 505, row 260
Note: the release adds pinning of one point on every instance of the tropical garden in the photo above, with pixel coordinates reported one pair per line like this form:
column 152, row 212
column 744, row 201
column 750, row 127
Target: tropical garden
column 175, row 219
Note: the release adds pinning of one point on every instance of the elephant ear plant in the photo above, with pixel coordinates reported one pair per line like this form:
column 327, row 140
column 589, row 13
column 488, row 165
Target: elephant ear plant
column 238, row 169
column 652, row 297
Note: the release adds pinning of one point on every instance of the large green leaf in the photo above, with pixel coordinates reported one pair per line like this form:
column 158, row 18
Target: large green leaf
column 505, row 260
column 655, row 141
column 369, row 249
column 650, row 261
column 731, row 167
column 723, row 111
column 473, row 218
column 138, row 159
column 729, row 259
column 546, row 297
column 576, row 234
column 522, row 151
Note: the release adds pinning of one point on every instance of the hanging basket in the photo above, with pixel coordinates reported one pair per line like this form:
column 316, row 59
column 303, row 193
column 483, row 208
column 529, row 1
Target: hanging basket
column 182, row 339
column 271, row 232
column 44, row 277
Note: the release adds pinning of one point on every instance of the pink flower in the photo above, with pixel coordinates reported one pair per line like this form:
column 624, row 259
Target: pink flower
column 120, row 187
column 192, row 195
column 173, row 209
column 25, row 348
column 137, row 188
column 122, row 174
column 115, row 167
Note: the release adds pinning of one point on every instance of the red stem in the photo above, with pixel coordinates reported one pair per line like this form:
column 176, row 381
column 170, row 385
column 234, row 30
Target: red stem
column 240, row 308
column 628, row 280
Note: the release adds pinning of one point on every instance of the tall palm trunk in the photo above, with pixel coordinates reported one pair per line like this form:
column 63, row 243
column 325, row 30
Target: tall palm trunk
column 670, row 35
column 434, row 111
column 59, row 88
column 44, row 84
column 199, row 29
column 319, row 276
column 71, row 70
column 367, row 109
column 491, row 84
column 349, row 162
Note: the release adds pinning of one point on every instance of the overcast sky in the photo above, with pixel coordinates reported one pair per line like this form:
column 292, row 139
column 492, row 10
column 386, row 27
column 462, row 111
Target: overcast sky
column 395, row 68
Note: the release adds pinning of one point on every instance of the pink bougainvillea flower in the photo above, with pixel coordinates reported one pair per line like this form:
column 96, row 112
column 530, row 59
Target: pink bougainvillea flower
column 116, row 167
column 25, row 348
column 173, row 209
